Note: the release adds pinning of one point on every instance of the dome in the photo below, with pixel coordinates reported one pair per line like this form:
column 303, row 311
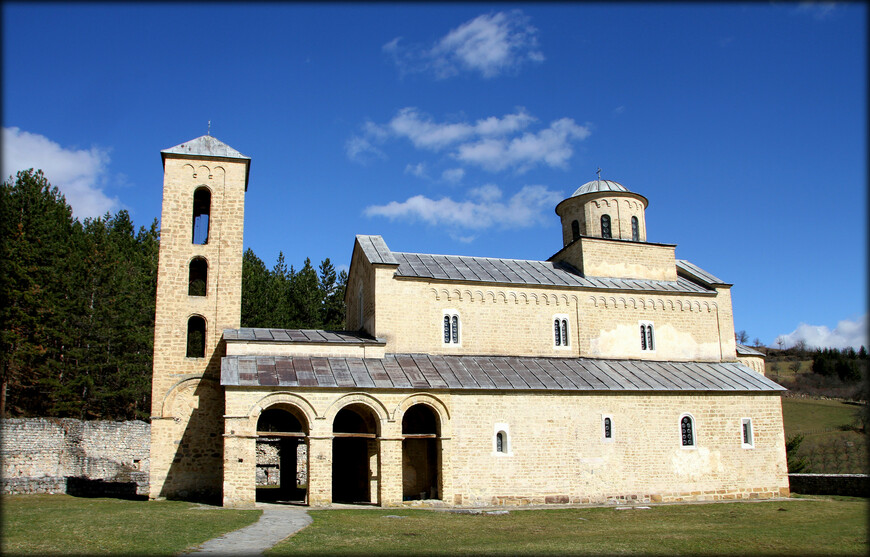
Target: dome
column 599, row 185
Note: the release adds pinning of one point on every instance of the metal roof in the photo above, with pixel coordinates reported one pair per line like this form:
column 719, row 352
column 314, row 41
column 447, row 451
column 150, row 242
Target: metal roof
column 525, row 272
column 205, row 146
column 506, row 373
column 376, row 250
column 310, row 336
column 699, row 274
column 744, row 350
column 599, row 185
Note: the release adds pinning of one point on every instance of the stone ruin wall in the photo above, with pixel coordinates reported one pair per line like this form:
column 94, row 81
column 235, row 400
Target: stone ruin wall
column 61, row 455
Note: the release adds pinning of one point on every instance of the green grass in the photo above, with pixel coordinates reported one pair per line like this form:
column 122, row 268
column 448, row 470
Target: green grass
column 828, row 445
column 807, row 415
column 800, row 527
column 65, row 525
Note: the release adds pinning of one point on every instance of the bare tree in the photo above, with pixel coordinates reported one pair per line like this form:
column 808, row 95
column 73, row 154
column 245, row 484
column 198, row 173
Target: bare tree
column 741, row 337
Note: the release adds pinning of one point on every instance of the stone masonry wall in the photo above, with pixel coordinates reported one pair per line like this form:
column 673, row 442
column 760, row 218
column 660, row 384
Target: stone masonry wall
column 39, row 455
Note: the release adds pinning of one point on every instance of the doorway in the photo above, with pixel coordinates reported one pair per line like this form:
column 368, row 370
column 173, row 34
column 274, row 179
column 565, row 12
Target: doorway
column 282, row 456
column 421, row 460
column 355, row 455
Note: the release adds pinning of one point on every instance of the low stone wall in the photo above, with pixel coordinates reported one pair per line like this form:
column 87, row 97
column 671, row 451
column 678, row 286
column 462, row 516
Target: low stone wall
column 856, row 485
column 53, row 455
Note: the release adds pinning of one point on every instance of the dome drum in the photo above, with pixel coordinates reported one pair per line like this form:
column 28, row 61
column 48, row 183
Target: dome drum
column 603, row 209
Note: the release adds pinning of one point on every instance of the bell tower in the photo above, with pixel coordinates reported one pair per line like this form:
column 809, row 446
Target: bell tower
column 199, row 294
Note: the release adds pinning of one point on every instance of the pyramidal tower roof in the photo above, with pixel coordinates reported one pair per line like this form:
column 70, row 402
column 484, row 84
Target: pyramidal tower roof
column 205, row 146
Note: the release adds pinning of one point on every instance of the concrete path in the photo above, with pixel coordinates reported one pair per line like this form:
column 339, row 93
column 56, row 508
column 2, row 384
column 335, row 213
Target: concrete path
column 276, row 523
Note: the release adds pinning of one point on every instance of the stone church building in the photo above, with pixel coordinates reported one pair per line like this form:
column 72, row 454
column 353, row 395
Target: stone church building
column 608, row 372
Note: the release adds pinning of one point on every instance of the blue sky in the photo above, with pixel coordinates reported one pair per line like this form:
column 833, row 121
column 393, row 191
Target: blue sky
column 456, row 128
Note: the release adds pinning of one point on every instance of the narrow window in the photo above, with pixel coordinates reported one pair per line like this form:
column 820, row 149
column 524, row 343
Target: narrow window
column 687, row 431
column 196, row 337
column 575, row 230
column 197, row 277
column 201, row 211
column 451, row 328
column 605, row 226
column 608, row 428
column 635, row 229
column 359, row 303
column 647, row 336
column 748, row 441
column 560, row 330
column 500, row 442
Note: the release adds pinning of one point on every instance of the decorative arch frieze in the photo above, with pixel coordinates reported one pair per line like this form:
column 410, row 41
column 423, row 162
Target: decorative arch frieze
column 625, row 302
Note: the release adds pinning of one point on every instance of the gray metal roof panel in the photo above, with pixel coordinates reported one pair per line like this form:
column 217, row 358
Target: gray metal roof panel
column 698, row 273
column 376, row 250
column 420, row 371
column 305, row 336
column 744, row 350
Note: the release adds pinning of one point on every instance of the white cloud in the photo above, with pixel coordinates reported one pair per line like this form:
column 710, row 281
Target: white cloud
column 847, row 333
column 493, row 143
column 551, row 146
column 820, row 11
column 79, row 174
column 490, row 44
column 453, row 175
column 526, row 208
column 418, row 170
column 360, row 149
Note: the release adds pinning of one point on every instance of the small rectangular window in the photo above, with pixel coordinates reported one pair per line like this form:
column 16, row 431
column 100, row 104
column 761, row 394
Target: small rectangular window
column 746, row 433
column 607, row 428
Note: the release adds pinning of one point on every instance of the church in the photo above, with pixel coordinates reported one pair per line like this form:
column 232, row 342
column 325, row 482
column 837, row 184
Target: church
column 607, row 373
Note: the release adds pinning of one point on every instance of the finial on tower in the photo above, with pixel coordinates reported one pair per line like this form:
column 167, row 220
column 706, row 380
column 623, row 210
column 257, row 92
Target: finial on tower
column 599, row 173
column 209, row 128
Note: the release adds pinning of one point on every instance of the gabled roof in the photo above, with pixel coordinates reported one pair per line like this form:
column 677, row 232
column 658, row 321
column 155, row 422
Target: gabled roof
column 376, row 250
column 422, row 371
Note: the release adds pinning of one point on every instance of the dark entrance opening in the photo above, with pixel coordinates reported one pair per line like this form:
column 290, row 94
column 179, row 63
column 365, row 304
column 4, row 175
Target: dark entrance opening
column 282, row 456
column 420, row 454
column 354, row 455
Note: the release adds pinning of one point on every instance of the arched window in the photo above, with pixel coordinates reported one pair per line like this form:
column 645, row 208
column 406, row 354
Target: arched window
column 635, row 229
column 647, row 337
column 607, row 424
column 575, row 230
column 687, row 431
column 196, row 337
column 201, row 211
column 501, row 442
column 605, row 227
column 451, row 328
column 197, row 277
column 560, row 330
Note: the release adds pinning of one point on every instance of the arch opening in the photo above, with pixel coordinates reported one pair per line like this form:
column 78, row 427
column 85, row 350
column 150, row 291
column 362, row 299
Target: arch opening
column 355, row 455
column 196, row 337
column 201, row 213
column 421, row 454
column 282, row 455
column 197, row 277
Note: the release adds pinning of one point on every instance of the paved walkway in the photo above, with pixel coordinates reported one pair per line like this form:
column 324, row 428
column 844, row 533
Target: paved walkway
column 276, row 523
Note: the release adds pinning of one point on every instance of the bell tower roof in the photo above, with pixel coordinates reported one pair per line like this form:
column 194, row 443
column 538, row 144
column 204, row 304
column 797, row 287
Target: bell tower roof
column 208, row 147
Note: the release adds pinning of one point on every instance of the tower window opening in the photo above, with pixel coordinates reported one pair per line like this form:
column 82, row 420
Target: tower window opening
column 575, row 230
column 201, row 211
column 196, row 337
column 197, row 277
column 605, row 227
column 635, row 229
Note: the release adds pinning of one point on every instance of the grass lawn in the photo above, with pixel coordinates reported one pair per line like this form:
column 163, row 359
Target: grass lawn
column 808, row 414
column 65, row 525
column 833, row 526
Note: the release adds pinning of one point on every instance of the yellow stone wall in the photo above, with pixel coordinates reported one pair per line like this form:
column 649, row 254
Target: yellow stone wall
column 187, row 404
column 588, row 209
column 556, row 450
column 597, row 257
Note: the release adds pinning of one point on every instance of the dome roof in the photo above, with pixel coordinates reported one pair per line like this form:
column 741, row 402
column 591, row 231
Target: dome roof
column 599, row 185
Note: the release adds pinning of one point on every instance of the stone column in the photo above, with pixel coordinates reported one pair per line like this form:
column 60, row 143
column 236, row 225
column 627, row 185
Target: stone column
column 391, row 472
column 319, row 470
column 446, row 471
column 240, row 468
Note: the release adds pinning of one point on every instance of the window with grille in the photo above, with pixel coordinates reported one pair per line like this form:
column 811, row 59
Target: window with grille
column 560, row 331
column 687, row 431
column 501, row 439
column 635, row 229
column 647, row 336
column 451, row 328
column 500, row 442
column 607, row 427
column 605, row 227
